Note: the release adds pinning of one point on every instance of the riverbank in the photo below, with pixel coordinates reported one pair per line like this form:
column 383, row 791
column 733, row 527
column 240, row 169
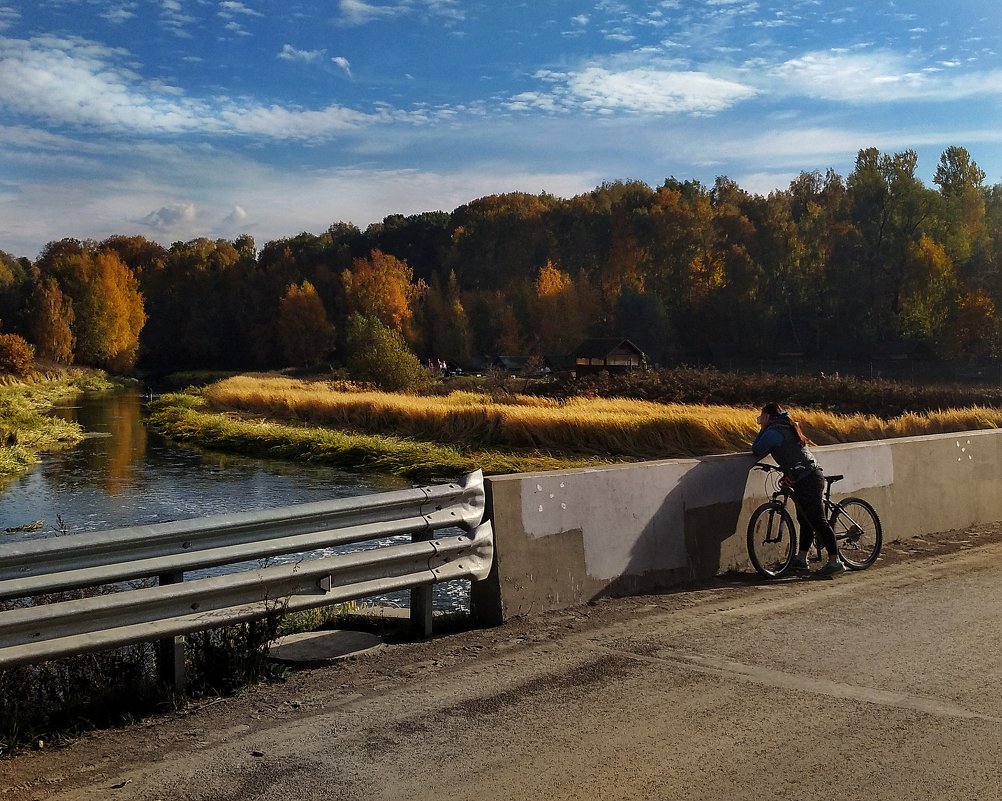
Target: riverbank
column 26, row 430
column 189, row 419
column 427, row 437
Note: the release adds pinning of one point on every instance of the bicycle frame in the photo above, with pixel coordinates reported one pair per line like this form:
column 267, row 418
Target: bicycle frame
column 783, row 494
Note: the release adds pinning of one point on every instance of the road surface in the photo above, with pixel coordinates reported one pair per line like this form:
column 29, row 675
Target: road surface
column 876, row 685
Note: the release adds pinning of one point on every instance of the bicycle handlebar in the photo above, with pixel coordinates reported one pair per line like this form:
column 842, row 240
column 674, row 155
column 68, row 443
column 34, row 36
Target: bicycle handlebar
column 766, row 468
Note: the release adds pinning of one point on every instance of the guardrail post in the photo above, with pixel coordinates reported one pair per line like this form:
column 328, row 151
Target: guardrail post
column 421, row 597
column 170, row 650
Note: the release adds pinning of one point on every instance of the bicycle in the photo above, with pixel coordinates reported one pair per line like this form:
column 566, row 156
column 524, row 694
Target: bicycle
column 772, row 535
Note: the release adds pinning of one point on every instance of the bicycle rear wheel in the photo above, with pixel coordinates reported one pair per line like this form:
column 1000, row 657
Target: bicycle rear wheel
column 772, row 540
column 857, row 531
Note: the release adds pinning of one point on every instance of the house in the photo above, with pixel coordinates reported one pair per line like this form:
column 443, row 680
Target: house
column 614, row 354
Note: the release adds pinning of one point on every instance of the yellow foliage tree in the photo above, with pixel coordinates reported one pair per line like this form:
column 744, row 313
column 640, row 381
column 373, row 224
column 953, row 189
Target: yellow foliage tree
column 108, row 307
column 304, row 331
column 560, row 324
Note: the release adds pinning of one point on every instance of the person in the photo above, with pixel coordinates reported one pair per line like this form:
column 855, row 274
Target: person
column 781, row 438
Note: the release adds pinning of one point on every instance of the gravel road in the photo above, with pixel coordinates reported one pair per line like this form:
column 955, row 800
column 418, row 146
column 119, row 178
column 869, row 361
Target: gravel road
column 881, row 684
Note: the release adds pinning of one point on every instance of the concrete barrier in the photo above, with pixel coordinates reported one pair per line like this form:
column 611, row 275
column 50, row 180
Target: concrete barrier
column 568, row 537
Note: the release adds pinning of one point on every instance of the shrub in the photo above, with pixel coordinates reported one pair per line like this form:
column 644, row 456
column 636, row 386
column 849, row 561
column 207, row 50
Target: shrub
column 16, row 355
column 379, row 355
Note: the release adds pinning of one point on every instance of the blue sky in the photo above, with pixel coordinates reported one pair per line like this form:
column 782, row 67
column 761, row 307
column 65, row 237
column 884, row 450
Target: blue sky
column 182, row 118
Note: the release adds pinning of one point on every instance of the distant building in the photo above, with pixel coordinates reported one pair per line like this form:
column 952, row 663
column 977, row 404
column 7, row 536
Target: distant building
column 614, row 354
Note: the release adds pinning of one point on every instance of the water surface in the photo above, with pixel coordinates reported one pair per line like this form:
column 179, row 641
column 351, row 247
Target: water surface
column 124, row 475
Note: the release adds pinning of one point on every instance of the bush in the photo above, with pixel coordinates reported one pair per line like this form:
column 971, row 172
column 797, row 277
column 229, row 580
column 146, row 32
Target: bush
column 841, row 394
column 379, row 355
column 16, row 355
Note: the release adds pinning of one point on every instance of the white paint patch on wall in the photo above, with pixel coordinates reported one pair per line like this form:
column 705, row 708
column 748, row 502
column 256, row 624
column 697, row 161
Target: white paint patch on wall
column 865, row 465
column 631, row 517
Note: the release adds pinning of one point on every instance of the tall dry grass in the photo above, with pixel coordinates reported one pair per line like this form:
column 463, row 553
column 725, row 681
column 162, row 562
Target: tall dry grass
column 598, row 426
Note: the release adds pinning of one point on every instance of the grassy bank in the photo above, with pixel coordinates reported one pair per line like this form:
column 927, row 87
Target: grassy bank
column 191, row 420
column 445, row 435
column 26, row 430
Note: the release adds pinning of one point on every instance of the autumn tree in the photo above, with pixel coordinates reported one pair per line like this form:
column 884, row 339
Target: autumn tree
column 107, row 304
column 557, row 311
column 498, row 240
column 380, row 286
column 974, row 327
column 16, row 355
column 50, row 322
column 305, row 333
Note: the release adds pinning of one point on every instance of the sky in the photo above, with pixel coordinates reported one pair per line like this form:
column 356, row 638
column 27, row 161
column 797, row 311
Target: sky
column 177, row 119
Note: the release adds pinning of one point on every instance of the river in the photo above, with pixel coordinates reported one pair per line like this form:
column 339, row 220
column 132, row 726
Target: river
column 124, row 475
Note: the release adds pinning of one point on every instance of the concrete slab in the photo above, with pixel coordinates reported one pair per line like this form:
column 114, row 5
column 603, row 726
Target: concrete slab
column 322, row 647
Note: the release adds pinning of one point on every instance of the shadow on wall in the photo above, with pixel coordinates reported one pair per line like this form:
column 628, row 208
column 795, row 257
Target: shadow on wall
column 697, row 521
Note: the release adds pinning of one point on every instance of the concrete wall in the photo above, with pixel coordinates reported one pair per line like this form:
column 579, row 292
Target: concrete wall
column 570, row 536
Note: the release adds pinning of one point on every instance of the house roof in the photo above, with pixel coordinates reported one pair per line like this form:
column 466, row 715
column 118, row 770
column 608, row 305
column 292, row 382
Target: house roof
column 601, row 347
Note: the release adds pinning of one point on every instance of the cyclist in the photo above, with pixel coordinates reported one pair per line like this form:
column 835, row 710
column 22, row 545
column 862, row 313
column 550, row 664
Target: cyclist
column 781, row 438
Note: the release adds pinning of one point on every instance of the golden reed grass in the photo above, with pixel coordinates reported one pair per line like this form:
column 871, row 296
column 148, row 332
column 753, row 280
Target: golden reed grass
column 600, row 426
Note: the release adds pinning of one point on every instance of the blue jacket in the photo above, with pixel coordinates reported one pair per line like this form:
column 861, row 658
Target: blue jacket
column 780, row 441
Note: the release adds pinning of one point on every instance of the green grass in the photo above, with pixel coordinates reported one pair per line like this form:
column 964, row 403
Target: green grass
column 25, row 428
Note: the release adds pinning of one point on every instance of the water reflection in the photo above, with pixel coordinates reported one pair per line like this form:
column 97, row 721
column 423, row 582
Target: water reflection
column 117, row 441
column 123, row 475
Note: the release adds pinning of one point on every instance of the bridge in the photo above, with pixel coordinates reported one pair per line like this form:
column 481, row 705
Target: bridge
column 723, row 688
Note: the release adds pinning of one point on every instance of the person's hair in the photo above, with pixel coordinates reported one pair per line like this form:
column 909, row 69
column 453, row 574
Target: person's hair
column 773, row 409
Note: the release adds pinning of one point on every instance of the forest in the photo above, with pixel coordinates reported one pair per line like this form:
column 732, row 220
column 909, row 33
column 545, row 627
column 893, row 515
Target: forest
column 833, row 265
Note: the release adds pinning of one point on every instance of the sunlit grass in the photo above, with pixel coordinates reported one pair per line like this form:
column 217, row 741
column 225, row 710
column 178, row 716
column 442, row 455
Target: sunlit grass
column 25, row 428
column 184, row 418
column 606, row 427
column 423, row 437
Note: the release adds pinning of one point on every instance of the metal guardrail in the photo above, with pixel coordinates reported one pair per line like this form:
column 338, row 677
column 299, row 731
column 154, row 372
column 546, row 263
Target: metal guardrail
column 127, row 615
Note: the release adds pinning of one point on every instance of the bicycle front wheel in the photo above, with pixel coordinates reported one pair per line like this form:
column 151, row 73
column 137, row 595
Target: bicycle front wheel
column 772, row 540
column 857, row 531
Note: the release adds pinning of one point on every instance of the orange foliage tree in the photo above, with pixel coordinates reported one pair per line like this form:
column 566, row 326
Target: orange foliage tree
column 50, row 322
column 380, row 286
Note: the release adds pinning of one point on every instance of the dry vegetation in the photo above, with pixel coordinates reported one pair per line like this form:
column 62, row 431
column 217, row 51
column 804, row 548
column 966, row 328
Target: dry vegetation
column 596, row 428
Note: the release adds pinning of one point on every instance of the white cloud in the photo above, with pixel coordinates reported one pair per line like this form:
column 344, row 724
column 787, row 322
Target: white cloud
column 358, row 12
column 875, row 77
column 580, row 19
column 343, row 64
column 178, row 216
column 290, row 53
column 8, row 16
column 235, row 219
column 639, row 90
column 75, row 82
column 355, row 12
column 174, row 18
column 229, row 7
column 119, row 13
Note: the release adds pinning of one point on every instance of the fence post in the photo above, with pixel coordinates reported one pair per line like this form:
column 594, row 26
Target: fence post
column 170, row 650
column 421, row 597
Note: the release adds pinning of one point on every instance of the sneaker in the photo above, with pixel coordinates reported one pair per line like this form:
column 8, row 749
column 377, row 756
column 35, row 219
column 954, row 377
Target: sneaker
column 832, row 568
column 798, row 565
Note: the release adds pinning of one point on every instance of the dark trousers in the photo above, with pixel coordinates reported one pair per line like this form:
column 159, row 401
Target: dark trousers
column 808, row 493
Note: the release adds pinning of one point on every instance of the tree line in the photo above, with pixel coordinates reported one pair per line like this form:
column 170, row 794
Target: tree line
column 831, row 265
